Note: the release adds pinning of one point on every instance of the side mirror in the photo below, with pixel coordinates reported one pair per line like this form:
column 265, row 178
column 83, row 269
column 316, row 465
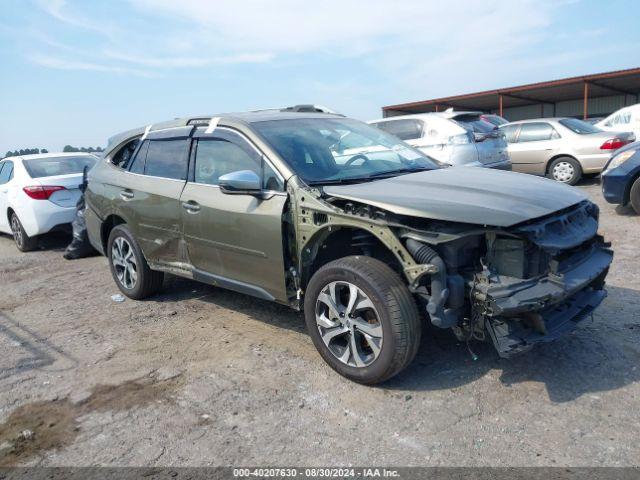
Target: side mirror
column 479, row 137
column 240, row 182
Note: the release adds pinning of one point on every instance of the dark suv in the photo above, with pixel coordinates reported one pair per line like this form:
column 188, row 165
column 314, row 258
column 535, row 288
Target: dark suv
column 330, row 215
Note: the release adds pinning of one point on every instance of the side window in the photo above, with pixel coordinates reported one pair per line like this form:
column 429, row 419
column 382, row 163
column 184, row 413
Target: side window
column 217, row 157
column 409, row 129
column 509, row 132
column 123, row 157
column 167, row 159
column 137, row 163
column 6, row 174
column 625, row 118
column 536, row 131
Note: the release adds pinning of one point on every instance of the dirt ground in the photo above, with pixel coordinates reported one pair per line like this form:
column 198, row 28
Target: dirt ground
column 200, row 376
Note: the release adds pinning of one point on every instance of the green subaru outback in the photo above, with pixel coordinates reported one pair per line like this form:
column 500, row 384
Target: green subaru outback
column 367, row 235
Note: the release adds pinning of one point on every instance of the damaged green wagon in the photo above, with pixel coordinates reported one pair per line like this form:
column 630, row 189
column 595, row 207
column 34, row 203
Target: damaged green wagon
column 364, row 233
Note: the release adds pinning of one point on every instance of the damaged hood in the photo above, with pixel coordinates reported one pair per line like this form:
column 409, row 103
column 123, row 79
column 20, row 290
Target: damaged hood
column 465, row 194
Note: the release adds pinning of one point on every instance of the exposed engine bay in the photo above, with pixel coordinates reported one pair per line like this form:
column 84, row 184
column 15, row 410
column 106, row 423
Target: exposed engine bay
column 517, row 285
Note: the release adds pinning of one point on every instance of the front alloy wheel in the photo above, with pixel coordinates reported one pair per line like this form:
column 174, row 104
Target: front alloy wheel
column 362, row 318
column 349, row 324
column 124, row 263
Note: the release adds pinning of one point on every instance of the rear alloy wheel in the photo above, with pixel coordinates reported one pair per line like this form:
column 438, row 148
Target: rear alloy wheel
column 362, row 319
column 565, row 170
column 24, row 242
column 634, row 196
column 124, row 262
column 129, row 268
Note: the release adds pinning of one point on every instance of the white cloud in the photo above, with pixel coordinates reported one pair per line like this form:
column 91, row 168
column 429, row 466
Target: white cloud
column 294, row 26
column 184, row 62
column 413, row 48
column 65, row 64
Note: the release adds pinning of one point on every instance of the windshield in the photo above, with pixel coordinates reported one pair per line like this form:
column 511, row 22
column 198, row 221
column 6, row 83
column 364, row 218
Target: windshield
column 53, row 166
column 578, row 126
column 334, row 150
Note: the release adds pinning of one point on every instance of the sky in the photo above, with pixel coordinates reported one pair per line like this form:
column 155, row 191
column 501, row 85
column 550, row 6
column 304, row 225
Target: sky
column 79, row 71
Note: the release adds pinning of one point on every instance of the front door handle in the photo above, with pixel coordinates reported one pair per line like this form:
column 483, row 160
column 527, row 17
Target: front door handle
column 126, row 194
column 191, row 206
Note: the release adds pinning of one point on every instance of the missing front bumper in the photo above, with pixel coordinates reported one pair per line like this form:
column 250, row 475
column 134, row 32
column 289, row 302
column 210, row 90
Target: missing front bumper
column 511, row 336
column 521, row 314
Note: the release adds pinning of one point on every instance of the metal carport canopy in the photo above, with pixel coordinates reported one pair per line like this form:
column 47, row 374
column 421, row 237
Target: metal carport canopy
column 620, row 82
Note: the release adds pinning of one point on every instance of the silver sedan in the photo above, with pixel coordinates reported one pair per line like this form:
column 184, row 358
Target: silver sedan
column 561, row 148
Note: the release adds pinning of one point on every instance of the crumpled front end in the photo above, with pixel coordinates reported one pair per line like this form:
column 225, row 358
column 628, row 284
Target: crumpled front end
column 541, row 278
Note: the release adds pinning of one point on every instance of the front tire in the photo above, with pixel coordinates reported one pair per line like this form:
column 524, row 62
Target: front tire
column 24, row 242
column 129, row 268
column 565, row 170
column 634, row 196
column 362, row 319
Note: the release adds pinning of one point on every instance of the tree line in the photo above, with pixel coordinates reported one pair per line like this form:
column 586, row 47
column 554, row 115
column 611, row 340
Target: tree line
column 66, row 149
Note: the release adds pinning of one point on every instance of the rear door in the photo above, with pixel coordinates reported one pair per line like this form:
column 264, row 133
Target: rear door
column 148, row 195
column 234, row 240
column 535, row 144
column 6, row 174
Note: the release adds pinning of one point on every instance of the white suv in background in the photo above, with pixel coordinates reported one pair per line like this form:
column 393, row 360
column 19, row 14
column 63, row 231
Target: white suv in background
column 626, row 119
column 454, row 138
column 38, row 194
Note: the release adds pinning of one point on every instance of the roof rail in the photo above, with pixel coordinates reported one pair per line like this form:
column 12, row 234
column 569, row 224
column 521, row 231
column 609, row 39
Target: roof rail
column 308, row 108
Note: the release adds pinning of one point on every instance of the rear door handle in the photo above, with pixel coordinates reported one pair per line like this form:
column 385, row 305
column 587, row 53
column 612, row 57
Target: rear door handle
column 191, row 206
column 126, row 194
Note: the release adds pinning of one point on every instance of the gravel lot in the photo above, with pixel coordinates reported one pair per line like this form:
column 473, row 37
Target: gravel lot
column 201, row 376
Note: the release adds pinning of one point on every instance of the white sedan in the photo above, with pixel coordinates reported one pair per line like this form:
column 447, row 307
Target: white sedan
column 38, row 194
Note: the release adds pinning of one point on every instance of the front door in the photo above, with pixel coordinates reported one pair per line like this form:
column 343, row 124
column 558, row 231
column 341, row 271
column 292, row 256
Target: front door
column 234, row 240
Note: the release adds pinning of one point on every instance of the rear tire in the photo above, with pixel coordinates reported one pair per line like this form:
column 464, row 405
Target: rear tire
column 634, row 196
column 129, row 268
column 372, row 330
column 24, row 242
column 565, row 170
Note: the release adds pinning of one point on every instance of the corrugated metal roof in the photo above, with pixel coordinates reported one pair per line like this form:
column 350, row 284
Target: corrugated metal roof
column 553, row 91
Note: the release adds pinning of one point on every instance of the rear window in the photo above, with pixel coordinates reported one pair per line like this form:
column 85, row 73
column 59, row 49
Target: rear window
column 167, row 159
column 408, row 129
column 494, row 120
column 53, row 166
column 578, row 126
column 474, row 124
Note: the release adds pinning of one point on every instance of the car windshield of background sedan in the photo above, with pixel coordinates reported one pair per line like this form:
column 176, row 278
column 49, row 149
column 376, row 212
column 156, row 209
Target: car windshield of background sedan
column 336, row 150
column 53, row 166
column 578, row 126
